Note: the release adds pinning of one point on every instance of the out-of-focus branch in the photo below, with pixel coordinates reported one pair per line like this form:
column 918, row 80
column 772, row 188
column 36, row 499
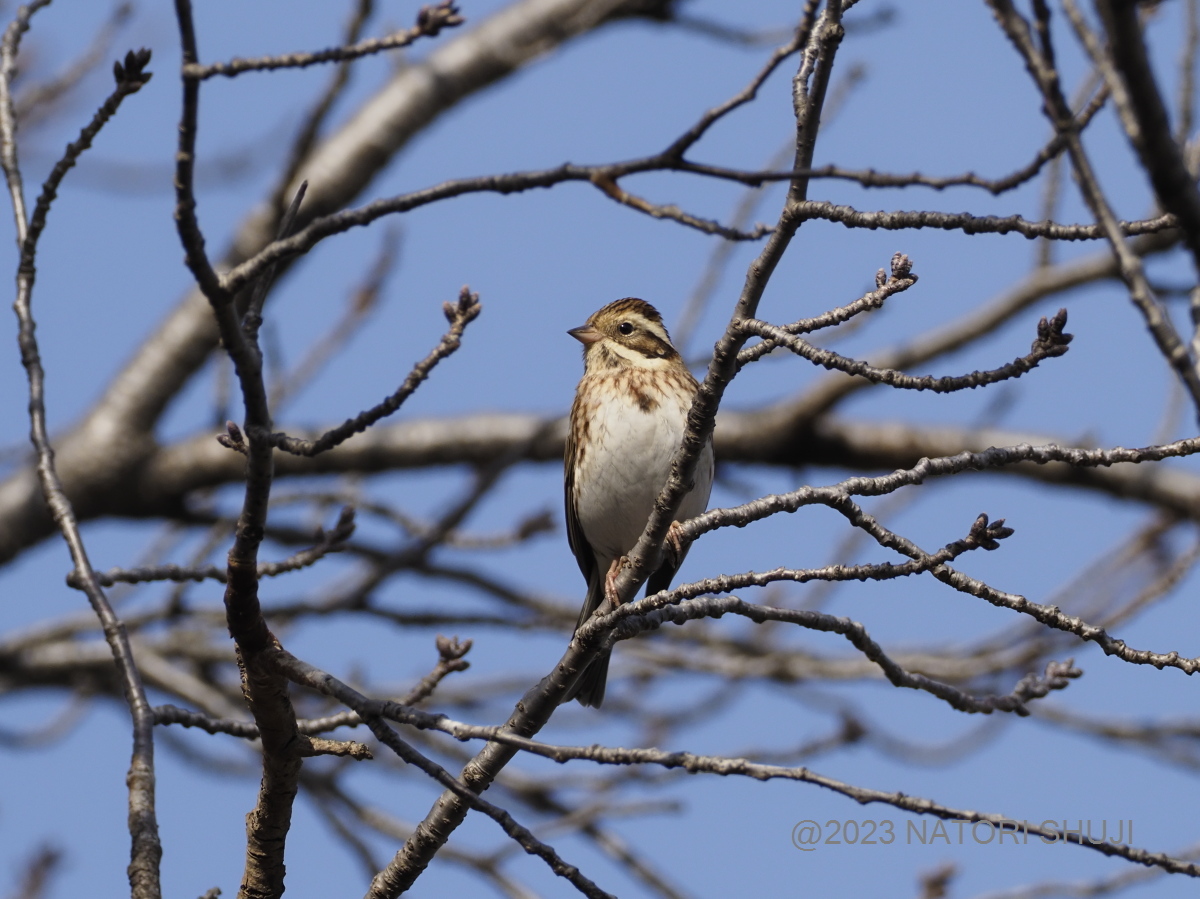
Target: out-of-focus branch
column 327, row 543
column 35, row 101
column 781, row 435
column 1108, row 885
column 994, row 186
column 685, row 324
column 317, row 115
column 39, row 870
column 1173, row 740
column 360, row 304
column 450, row 659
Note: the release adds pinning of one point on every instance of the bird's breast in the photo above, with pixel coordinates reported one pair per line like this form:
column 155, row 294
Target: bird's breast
column 629, row 431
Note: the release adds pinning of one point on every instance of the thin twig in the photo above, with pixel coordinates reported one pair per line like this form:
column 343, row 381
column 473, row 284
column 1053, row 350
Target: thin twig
column 430, row 21
column 886, row 286
column 903, row 220
column 131, row 76
column 459, row 314
column 146, row 849
column 9, row 47
column 1051, row 342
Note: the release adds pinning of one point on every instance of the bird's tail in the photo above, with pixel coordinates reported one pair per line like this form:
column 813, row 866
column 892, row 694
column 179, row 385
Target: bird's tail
column 589, row 689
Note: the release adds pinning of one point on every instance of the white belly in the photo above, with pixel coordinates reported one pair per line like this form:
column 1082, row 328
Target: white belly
column 623, row 472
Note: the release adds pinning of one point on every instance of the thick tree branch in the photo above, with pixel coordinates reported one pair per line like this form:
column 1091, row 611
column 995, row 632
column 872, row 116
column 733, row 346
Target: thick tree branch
column 1161, row 155
column 266, row 693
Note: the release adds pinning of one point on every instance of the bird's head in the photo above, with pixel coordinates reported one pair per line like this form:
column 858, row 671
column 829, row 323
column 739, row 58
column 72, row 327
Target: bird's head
column 628, row 332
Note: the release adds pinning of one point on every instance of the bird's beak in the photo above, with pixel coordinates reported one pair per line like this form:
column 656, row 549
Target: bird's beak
column 585, row 334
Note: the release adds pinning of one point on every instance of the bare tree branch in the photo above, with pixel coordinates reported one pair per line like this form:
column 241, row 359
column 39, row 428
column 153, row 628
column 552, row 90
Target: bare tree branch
column 325, row 683
column 1051, row 342
column 146, row 850
column 430, row 21
column 459, row 315
column 1040, row 65
column 444, row 492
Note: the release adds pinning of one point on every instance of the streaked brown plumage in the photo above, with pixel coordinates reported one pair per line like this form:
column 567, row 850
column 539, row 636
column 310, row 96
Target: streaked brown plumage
column 627, row 421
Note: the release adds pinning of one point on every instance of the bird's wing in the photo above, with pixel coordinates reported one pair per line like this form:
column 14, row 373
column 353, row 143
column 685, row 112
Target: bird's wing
column 578, row 542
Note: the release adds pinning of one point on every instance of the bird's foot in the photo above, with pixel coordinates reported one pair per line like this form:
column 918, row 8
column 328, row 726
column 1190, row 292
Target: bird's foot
column 674, row 547
column 610, row 581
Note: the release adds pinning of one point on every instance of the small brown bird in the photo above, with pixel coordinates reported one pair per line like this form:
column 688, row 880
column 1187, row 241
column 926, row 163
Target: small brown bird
column 627, row 421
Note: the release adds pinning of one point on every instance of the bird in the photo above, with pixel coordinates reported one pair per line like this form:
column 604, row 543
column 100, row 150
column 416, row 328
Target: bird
column 627, row 421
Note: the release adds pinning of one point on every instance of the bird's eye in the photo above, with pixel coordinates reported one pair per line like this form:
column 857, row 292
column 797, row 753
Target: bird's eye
column 625, row 328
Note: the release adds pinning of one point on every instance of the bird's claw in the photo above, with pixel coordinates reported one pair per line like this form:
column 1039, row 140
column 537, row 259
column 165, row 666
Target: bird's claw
column 610, row 581
column 674, row 546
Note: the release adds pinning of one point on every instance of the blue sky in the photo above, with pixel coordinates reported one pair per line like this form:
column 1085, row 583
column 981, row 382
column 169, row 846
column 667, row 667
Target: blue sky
column 943, row 92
